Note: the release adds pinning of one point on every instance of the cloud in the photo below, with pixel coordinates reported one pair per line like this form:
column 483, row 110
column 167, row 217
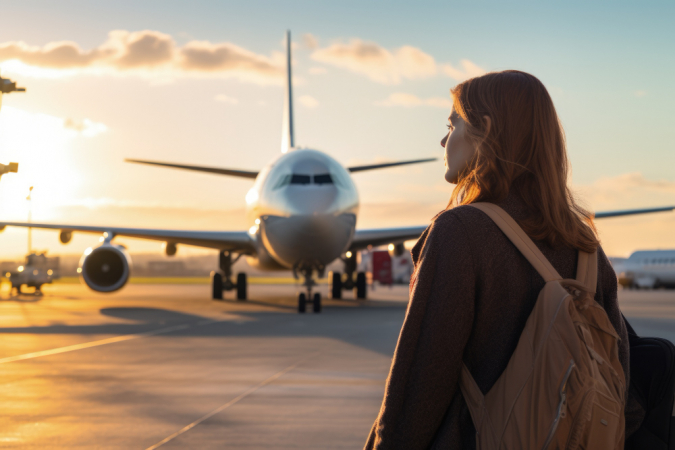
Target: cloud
column 627, row 191
column 378, row 63
column 309, row 41
column 318, row 70
column 149, row 52
column 308, row 101
column 86, row 127
column 628, row 182
column 410, row 100
column 640, row 93
column 225, row 99
column 468, row 70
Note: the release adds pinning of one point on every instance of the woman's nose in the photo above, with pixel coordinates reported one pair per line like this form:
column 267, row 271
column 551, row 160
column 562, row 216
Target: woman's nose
column 444, row 140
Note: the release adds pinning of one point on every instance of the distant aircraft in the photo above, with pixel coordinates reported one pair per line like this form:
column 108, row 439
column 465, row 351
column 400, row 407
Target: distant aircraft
column 646, row 269
column 302, row 210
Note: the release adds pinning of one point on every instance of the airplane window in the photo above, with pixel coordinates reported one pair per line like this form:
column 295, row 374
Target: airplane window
column 300, row 179
column 323, row 178
column 284, row 181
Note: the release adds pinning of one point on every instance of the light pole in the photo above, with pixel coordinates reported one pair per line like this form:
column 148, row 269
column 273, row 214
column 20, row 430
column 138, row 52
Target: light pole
column 9, row 168
column 7, row 86
column 30, row 217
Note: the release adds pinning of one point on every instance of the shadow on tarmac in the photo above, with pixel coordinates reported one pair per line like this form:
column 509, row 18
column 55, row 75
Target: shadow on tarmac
column 23, row 298
column 349, row 325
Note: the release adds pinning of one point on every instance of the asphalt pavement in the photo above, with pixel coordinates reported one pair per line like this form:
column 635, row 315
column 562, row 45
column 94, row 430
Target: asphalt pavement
column 163, row 366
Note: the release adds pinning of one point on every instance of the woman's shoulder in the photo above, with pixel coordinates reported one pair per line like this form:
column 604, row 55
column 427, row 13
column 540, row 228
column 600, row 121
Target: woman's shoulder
column 454, row 228
column 466, row 217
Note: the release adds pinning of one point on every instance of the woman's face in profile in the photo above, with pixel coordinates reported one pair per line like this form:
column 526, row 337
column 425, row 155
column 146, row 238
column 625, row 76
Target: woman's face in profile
column 458, row 150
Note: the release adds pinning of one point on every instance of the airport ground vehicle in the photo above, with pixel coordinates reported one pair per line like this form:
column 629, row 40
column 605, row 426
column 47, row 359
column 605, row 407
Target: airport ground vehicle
column 35, row 271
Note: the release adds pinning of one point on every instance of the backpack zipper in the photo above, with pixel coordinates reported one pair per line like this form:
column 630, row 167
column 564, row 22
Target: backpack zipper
column 563, row 397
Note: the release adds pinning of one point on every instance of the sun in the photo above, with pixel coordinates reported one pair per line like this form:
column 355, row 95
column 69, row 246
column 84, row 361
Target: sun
column 41, row 144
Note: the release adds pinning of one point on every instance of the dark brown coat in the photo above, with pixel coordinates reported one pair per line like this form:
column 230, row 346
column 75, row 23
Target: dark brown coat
column 471, row 294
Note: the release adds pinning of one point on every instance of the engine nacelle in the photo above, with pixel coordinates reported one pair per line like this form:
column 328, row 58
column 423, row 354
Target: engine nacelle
column 65, row 236
column 396, row 249
column 170, row 248
column 105, row 268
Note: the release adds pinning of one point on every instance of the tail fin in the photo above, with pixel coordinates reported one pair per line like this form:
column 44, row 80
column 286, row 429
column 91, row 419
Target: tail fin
column 287, row 135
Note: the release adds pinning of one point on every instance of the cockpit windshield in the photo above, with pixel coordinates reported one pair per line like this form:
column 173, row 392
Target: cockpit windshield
column 320, row 179
column 300, row 179
column 323, row 178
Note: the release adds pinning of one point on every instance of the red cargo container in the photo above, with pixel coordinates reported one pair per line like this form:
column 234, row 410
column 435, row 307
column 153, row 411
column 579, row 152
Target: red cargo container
column 382, row 267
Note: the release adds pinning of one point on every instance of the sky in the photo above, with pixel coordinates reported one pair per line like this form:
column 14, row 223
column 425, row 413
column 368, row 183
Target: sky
column 200, row 82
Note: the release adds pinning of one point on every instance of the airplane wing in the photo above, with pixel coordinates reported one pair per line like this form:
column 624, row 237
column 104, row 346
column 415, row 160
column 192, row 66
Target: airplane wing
column 238, row 241
column 391, row 164
column 250, row 174
column 631, row 212
column 379, row 236
column 216, row 170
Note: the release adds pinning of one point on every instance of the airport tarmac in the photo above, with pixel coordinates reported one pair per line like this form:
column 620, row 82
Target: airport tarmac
column 164, row 366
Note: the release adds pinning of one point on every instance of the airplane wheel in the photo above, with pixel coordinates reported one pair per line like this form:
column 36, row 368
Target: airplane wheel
column 302, row 302
column 316, row 304
column 217, row 283
column 336, row 285
column 360, row 287
column 241, row 286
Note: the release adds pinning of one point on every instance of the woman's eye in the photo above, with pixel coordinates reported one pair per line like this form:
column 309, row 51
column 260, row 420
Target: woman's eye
column 450, row 127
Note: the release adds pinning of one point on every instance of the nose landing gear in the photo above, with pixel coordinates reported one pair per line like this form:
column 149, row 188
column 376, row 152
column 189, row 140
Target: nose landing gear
column 309, row 283
column 222, row 280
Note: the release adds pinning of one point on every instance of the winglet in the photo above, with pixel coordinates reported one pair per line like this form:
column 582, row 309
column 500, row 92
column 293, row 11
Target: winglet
column 287, row 135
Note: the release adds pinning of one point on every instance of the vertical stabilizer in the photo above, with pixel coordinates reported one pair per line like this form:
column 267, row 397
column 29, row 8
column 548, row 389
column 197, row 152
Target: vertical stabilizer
column 287, row 135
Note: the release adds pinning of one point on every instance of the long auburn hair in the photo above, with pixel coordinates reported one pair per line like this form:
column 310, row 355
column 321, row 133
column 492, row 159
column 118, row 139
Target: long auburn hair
column 522, row 151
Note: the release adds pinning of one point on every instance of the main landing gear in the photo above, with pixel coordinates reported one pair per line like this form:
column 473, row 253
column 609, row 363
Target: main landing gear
column 338, row 282
column 303, row 298
column 222, row 280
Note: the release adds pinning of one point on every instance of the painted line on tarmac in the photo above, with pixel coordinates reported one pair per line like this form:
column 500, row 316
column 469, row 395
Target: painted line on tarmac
column 113, row 340
column 233, row 401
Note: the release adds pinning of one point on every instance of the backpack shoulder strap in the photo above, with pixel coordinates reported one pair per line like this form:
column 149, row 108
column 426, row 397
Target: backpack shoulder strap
column 587, row 270
column 520, row 239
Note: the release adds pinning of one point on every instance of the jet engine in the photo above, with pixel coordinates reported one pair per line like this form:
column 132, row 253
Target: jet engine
column 105, row 268
column 65, row 236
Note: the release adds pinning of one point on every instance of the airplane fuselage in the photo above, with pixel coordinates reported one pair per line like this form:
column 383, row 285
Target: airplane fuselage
column 647, row 269
column 302, row 211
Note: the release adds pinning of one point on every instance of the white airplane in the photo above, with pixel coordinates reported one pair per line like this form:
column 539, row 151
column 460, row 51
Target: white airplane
column 646, row 269
column 302, row 210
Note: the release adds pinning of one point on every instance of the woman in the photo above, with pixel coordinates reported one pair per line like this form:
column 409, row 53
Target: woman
column 472, row 290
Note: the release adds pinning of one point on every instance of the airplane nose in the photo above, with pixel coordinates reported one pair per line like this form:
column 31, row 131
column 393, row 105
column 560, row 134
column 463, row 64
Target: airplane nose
column 312, row 238
column 312, row 200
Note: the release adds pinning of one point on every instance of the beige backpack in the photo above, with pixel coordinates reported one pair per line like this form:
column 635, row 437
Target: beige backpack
column 563, row 387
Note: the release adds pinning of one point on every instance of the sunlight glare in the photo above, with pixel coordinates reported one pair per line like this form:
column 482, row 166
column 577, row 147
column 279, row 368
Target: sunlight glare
column 40, row 143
